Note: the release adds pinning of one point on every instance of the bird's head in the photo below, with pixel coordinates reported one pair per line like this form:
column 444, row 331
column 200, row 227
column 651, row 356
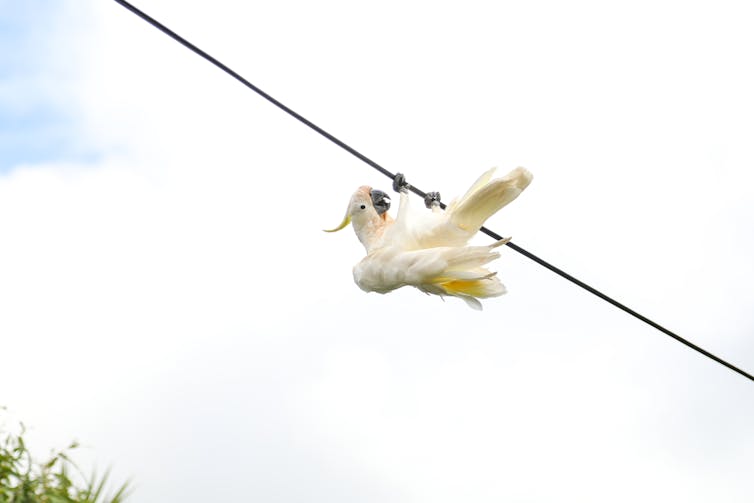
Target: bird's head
column 367, row 211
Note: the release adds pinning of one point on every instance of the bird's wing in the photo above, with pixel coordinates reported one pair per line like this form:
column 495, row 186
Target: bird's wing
column 454, row 271
column 463, row 217
column 486, row 197
column 417, row 229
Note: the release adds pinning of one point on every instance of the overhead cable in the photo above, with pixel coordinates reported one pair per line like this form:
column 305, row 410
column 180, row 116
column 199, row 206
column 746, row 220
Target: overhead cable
column 421, row 193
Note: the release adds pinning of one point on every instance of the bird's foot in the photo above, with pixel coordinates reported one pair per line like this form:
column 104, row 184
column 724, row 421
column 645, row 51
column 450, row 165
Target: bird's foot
column 399, row 183
column 432, row 199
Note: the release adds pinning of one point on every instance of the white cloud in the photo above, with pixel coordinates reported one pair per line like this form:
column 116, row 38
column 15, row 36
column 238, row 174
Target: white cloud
column 176, row 306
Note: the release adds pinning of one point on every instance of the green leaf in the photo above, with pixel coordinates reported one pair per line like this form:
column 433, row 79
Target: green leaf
column 24, row 480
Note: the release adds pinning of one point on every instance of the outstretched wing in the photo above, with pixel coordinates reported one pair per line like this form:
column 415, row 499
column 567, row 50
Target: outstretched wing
column 486, row 197
column 414, row 230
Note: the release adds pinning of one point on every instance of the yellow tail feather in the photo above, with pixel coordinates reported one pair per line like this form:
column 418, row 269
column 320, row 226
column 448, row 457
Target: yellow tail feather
column 481, row 288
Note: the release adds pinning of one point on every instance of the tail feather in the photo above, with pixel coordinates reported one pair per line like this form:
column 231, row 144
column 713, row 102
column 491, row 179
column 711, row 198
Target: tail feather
column 472, row 275
column 471, row 302
column 480, row 288
column 464, row 273
column 470, row 257
column 464, row 276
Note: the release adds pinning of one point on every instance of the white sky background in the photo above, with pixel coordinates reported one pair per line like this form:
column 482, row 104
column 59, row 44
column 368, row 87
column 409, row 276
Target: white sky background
column 167, row 296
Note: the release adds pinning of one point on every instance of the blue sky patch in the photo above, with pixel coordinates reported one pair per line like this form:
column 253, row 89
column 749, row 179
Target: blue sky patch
column 33, row 129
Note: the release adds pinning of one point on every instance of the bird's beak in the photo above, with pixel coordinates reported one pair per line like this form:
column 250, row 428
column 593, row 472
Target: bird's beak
column 345, row 222
column 380, row 201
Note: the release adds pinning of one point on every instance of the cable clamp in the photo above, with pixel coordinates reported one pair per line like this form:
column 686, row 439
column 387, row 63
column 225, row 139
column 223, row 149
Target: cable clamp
column 432, row 199
column 400, row 184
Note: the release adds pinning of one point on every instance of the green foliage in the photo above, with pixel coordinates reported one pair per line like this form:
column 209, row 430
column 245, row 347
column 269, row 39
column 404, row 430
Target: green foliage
column 57, row 480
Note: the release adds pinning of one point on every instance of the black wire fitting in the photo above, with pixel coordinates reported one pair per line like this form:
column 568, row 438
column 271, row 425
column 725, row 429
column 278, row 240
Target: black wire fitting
column 400, row 184
column 432, row 199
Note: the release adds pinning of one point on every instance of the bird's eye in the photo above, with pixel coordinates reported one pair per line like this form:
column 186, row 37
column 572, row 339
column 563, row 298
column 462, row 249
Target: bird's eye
column 363, row 207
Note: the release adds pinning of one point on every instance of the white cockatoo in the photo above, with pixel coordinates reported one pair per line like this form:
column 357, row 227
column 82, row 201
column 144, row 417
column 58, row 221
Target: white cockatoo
column 428, row 250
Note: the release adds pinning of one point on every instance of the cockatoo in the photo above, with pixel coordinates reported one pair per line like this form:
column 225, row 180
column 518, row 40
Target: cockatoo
column 429, row 250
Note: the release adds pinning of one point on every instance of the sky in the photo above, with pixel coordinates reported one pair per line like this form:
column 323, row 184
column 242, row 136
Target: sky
column 168, row 299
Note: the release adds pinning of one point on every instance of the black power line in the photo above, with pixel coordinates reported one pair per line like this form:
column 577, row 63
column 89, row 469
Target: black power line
column 420, row 193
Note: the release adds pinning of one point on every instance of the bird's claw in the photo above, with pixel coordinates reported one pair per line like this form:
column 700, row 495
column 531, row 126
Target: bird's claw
column 431, row 199
column 399, row 183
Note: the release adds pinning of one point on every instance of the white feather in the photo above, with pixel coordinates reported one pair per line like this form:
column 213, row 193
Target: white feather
column 427, row 250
